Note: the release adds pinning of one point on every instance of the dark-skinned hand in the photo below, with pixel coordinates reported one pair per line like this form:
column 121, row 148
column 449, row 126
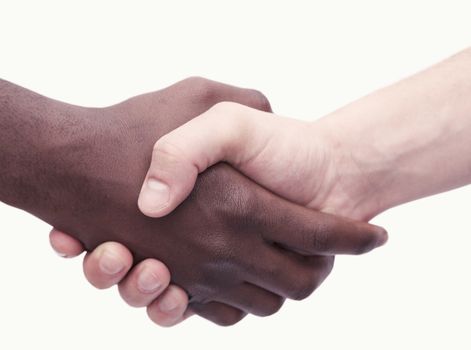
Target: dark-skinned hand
column 232, row 245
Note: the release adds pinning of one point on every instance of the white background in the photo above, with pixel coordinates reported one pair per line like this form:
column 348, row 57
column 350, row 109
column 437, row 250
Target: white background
column 309, row 58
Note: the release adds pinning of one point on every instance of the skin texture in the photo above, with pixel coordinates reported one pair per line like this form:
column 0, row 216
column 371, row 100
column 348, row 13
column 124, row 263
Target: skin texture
column 81, row 171
column 352, row 162
column 349, row 160
column 128, row 277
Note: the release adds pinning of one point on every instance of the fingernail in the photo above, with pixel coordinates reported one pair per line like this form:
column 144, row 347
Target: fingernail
column 62, row 255
column 155, row 194
column 110, row 264
column 147, row 282
column 168, row 304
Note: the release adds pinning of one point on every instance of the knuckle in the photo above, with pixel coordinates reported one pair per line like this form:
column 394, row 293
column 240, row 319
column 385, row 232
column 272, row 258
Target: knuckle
column 226, row 319
column 303, row 287
column 230, row 115
column 164, row 145
column 328, row 265
column 272, row 307
column 323, row 266
column 165, row 148
column 224, row 108
column 196, row 81
column 237, row 199
column 205, row 90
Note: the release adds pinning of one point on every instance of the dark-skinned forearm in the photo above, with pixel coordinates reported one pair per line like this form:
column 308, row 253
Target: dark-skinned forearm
column 59, row 161
column 33, row 129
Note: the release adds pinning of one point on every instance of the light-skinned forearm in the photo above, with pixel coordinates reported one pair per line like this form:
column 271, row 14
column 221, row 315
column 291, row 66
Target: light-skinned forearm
column 407, row 141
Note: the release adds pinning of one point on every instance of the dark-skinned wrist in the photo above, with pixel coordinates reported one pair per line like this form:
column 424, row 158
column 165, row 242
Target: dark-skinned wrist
column 33, row 129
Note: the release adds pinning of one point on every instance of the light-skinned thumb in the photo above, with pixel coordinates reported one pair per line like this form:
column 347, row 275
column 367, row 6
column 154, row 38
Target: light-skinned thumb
column 170, row 179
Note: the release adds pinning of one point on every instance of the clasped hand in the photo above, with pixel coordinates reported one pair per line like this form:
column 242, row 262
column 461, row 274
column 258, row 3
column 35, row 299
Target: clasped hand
column 232, row 238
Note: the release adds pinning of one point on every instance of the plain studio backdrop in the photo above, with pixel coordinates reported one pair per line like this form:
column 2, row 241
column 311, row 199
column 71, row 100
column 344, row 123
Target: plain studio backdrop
column 309, row 58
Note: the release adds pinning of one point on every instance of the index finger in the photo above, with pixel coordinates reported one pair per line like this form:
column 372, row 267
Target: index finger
column 311, row 232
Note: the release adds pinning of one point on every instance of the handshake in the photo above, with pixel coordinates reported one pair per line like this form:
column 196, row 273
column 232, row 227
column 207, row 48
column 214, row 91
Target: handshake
column 248, row 235
column 239, row 208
